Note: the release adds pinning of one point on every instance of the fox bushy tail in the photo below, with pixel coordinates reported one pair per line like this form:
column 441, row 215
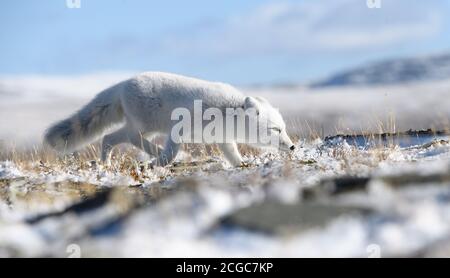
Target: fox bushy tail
column 86, row 125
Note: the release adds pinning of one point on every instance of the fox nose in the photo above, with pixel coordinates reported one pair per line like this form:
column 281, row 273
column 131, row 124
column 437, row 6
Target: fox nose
column 292, row 148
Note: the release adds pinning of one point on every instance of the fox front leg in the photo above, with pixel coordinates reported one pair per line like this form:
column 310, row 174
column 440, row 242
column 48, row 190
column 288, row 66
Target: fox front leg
column 231, row 153
column 169, row 153
column 111, row 140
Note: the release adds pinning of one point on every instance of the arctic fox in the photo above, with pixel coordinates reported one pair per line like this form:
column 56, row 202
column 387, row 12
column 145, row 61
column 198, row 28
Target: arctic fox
column 144, row 105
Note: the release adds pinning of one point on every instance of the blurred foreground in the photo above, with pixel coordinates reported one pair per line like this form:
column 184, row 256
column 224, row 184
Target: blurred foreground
column 330, row 198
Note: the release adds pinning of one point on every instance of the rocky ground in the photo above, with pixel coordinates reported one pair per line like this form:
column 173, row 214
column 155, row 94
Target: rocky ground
column 330, row 198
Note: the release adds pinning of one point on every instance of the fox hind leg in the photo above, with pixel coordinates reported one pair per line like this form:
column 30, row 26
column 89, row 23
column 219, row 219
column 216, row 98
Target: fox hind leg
column 110, row 140
column 169, row 153
column 127, row 135
column 139, row 141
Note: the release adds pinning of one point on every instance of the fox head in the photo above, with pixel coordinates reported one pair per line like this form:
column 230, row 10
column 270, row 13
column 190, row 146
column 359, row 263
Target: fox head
column 270, row 124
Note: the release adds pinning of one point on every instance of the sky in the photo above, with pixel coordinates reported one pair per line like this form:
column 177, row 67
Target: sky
column 241, row 42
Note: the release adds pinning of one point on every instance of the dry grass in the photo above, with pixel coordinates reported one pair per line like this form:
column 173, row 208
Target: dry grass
column 129, row 162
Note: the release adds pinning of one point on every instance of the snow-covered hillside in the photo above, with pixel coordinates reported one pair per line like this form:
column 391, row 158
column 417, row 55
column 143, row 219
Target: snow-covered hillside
column 395, row 71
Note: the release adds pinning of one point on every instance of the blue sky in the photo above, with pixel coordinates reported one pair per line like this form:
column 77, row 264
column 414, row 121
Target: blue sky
column 242, row 42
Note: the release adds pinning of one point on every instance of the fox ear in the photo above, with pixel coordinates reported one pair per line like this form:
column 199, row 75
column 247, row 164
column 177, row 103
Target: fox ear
column 251, row 102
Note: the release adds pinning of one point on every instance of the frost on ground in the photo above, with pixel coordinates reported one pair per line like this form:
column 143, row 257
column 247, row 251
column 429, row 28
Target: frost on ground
column 329, row 198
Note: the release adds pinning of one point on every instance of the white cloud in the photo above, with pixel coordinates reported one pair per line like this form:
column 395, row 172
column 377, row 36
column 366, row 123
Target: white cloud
column 314, row 25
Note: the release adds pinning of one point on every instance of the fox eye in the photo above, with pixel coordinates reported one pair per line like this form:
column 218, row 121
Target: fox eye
column 276, row 129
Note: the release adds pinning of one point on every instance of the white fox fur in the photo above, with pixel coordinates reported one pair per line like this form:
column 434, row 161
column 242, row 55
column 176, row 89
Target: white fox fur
column 145, row 103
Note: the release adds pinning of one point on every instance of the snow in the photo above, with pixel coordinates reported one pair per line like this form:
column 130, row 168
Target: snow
column 9, row 171
column 185, row 223
column 185, row 206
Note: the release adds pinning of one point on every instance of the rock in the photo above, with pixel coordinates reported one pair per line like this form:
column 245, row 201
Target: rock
column 409, row 179
column 276, row 218
column 336, row 186
column 342, row 185
column 98, row 200
column 410, row 138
